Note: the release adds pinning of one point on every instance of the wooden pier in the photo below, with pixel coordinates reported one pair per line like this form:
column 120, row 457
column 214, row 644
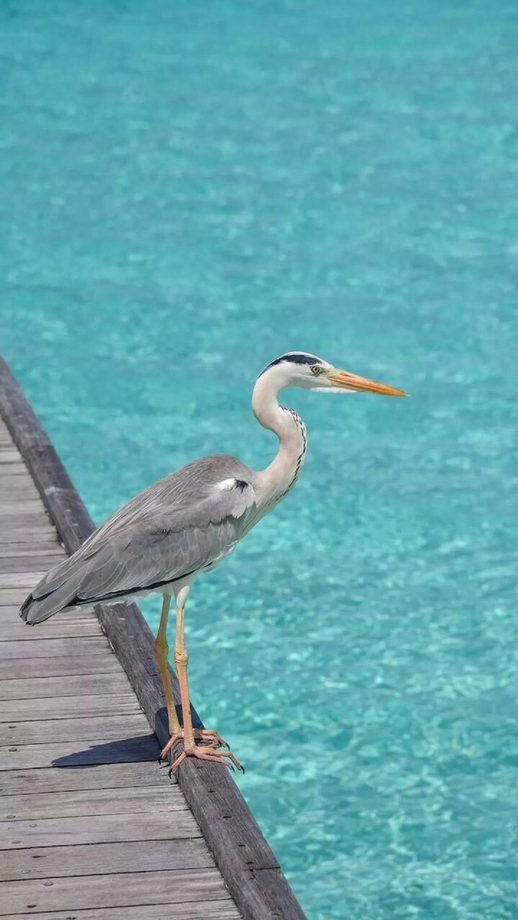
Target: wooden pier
column 91, row 827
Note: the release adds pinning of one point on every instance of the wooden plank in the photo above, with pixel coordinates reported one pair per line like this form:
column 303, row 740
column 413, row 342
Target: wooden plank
column 18, row 533
column 53, row 832
column 20, row 544
column 12, row 471
column 39, row 805
column 9, row 454
column 192, row 910
column 117, row 890
column 87, row 728
column 41, row 687
column 17, row 496
column 33, row 550
column 13, row 627
column 66, row 707
column 104, row 858
column 12, row 521
column 78, row 753
column 15, row 488
column 94, row 776
column 76, row 613
column 62, row 666
column 14, row 547
column 52, row 648
column 24, row 505
column 29, row 563
column 25, row 581
column 10, row 597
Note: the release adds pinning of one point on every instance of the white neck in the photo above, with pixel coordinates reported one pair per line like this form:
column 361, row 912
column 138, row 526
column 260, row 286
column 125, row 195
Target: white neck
column 281, row 474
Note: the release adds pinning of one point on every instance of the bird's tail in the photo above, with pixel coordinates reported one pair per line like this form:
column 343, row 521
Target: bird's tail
column 31, row 613
column 37, row 609
column 56, row 591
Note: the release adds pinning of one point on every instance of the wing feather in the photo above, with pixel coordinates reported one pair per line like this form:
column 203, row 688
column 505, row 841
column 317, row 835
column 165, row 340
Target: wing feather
column 181, row 524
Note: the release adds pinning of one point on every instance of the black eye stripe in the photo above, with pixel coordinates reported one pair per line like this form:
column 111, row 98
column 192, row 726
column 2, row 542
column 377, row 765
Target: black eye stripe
column 296, row 358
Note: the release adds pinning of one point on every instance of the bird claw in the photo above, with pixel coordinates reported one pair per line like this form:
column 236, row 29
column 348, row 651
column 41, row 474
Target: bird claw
column 206, row 752
column 208, row 736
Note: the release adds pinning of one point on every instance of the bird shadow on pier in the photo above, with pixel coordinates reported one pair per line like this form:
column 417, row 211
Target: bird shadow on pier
column 141, row 748
column 125, row 750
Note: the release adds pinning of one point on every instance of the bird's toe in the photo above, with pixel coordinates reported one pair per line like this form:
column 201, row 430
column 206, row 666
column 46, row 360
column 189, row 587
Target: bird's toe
column 207, row 752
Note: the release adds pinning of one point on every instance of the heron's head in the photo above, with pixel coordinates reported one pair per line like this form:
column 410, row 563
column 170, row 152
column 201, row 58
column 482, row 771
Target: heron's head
column 300, row 369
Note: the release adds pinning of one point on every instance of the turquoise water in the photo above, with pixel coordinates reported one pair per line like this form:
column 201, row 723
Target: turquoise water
column 189, row 190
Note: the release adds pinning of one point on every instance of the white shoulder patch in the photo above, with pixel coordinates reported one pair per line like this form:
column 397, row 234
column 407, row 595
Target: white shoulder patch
column 225, row 484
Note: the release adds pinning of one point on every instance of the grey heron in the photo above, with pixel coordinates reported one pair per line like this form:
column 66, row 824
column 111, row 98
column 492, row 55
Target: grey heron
column 184, row 525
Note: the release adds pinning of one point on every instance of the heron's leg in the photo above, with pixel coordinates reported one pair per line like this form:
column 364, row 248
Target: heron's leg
column 181, row 657
column 162, row 651
column 206, row 751
column 175, row 730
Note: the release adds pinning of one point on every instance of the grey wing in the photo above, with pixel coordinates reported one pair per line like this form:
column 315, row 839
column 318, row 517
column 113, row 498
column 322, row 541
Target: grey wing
column 180, row 525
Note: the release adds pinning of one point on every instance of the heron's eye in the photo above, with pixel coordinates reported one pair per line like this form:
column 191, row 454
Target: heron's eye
column 316, row 369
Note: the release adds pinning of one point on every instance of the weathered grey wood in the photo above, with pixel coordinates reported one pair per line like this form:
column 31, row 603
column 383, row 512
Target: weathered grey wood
column 78, row 753
column 34, row 550
column 68, row 707
column 10, row 597
column 11, row 521
column 11, row 612
column 116, row 890
column 53, row 648
column 60, row 666
column 14, row 489
column 104, row 858
column 55, row 628
column 97, row 776
column 52, row 832
column 88, row 728
column 15, row 564
column 10, row 472
column 249, row 867
column 41, row 687
column 9, row 454
column 25, row 580
column 192, row 910
column 23, row 505
column 15, row 530
column 91, row 802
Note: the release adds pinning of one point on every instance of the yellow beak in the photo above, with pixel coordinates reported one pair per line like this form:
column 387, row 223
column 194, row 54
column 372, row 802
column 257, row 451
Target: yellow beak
column 353, row 382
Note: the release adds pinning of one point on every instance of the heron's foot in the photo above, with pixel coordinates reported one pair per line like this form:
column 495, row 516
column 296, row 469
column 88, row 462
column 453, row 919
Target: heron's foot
column 206, row 735
column 207, row 752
